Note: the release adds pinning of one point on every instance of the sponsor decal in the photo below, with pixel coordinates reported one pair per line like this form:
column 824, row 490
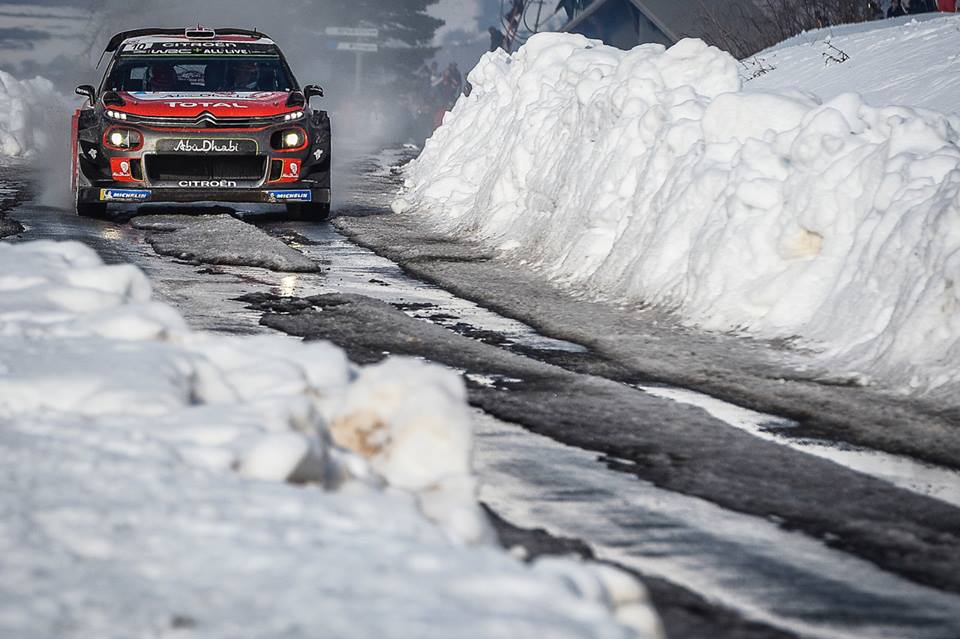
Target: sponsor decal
column 216, row 105
column 206, row 95
column 208, row 184
column 206, row 145
column 318, row 154
column 123, row 195
column 121, row 169
column 290, row 196
column 186, row 47
column 291, row 170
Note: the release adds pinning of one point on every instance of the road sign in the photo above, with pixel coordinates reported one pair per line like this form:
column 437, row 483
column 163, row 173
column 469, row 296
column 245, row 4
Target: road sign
column 353, row 32
column 357, row 46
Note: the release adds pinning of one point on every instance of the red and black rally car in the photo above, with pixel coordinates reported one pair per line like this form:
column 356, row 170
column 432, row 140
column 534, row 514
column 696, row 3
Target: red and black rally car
column 200, row 115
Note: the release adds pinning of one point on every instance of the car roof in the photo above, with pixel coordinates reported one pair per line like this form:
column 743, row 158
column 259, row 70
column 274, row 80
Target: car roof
column 152, row 36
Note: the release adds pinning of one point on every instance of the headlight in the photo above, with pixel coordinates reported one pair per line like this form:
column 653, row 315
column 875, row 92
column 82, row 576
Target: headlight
column 116, row 115
column 296, row 115
column 288, row 139
column 123, row 139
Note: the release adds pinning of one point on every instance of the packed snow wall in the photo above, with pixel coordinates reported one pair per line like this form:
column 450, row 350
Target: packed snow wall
column 147, row 471
column 647, row 175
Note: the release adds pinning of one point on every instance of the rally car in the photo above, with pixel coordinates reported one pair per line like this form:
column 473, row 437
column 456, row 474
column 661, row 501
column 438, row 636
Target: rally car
column 200, row 115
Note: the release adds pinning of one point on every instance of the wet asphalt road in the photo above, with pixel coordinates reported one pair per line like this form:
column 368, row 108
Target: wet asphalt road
column 738, row 536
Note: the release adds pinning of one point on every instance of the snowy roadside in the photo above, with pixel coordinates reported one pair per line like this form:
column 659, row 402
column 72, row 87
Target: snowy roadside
column 649, row 177
column 149, row 471
column 910, row 61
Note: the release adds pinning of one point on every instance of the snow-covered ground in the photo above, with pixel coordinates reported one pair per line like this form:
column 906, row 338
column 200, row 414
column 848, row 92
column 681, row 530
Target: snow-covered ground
column 652, row 176
column 910, row 61
column 158, row 481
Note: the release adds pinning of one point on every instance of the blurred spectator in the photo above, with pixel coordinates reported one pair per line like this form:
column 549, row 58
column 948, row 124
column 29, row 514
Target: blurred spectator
column 455, row 77
column 497, row 39
column 514, row 16
column 921, row 6
column 895, row 10
column 874, row 10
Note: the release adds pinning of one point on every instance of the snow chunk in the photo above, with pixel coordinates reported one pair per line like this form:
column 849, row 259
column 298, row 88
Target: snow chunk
column 146, row 470
column 649, row 176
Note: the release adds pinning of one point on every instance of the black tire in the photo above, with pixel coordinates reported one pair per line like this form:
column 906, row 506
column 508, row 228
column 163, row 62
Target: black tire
column 85, row 209
column 308, row 211
column 91, row 209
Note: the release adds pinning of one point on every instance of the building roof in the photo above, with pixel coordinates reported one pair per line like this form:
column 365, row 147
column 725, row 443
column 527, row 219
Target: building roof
column 678, row 20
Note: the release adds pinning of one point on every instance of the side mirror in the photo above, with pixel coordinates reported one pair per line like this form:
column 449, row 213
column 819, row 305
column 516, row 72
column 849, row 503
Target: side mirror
column 312, row 90
column 88, row 91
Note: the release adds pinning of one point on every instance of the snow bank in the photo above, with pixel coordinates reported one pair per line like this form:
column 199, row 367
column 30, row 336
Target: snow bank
column 648, row 176
column 146, row 469
column 30, row 112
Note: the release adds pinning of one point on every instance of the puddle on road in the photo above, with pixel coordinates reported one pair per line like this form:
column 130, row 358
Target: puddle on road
column 903, row 472
column 746, row 563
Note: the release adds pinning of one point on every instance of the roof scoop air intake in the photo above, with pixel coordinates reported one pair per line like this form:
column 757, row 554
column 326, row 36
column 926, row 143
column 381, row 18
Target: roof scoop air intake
column 200, row 33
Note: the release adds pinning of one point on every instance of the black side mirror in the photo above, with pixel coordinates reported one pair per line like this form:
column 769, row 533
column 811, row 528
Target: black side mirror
column 88, row 91
column 312, row 90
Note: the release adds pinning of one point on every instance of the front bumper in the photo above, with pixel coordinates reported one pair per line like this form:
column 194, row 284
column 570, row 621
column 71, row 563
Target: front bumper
column 123, row 192
column 203, row 165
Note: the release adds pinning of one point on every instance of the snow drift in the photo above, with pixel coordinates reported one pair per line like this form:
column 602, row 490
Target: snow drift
column 143, row 483
column 31, row 111
column 649, row 176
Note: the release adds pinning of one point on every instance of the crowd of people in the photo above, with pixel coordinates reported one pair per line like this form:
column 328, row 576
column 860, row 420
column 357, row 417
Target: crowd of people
column 899, row 8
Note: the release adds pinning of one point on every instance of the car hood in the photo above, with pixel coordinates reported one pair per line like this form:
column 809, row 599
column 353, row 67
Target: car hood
column 230, row 104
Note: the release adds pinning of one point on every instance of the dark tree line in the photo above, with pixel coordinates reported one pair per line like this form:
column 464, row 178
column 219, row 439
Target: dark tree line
column 743, row 28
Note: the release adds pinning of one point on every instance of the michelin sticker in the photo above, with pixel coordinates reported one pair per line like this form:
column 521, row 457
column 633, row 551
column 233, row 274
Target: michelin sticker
column 290, row 196
column 123, row 195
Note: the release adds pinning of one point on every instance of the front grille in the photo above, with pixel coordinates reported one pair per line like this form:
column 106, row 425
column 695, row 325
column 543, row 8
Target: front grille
column 168, row 168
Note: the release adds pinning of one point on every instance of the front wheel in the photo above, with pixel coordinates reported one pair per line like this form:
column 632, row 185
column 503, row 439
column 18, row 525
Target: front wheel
column 308, row 211
column 91, row 209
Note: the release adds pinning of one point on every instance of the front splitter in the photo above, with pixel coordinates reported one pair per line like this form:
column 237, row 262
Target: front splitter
column 132, row 195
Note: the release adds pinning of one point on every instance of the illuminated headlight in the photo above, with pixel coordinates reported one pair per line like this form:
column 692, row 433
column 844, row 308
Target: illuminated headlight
column 288, row 139
column 124, row 139
column 296, row 115
column 116, row 115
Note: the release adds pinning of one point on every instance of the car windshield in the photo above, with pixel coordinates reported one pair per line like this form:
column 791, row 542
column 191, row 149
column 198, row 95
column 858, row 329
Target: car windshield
column 199, row 74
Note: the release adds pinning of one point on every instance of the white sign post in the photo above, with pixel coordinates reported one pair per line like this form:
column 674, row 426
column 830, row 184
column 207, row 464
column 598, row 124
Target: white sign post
column 359, row 48
column 352, row 32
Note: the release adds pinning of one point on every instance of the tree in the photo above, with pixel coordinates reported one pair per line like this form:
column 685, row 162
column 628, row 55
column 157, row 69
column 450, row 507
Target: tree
column 743, row 28
column 406, row 33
